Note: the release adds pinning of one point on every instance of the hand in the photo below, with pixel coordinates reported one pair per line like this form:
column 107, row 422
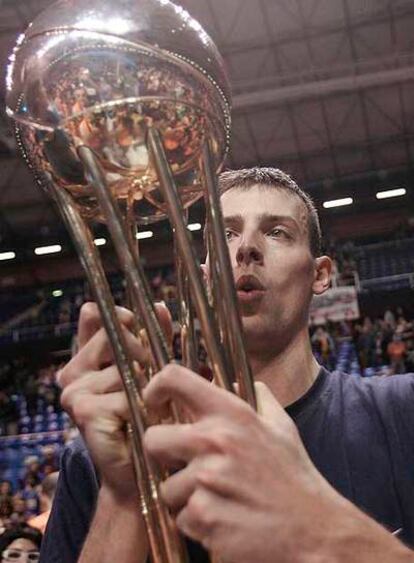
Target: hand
column 249, row 491
column 93, row 395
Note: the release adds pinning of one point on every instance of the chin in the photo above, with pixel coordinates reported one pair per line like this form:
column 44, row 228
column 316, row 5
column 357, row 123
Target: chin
column 253, row 327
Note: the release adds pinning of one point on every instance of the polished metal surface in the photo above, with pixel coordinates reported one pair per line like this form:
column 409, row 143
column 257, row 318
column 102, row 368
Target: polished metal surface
column 100, row 73
column 122, row 111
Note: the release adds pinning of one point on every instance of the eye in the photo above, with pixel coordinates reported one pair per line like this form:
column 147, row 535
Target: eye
column 277, row 232
column 230, row 234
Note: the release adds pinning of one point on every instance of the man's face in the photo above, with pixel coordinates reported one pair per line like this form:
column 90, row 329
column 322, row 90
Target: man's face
column 274, row 270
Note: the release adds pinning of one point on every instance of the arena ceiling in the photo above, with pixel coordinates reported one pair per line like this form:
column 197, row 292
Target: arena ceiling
column 323, row 89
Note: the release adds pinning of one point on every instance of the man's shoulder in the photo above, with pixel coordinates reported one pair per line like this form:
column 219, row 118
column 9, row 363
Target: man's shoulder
column 378, row 385
column 385, row 394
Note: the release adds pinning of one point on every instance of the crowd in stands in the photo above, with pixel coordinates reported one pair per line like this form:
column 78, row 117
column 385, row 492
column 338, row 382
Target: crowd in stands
column 36, row 386
column 385, row 342
column 25, row 507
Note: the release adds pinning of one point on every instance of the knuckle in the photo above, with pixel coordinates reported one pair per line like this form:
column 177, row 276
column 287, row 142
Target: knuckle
column 66, row 399
column 80, row 409
column 125, row 315
column 168, row 373
column 65, row 376
column 89, row 313
column 198, row 510
column 212, row 473
column 222, row 440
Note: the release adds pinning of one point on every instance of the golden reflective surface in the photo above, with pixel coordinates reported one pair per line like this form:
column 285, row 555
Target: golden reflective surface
column 69, row 87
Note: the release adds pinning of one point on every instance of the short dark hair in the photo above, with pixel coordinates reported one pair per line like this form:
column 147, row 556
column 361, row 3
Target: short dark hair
column 246, row 178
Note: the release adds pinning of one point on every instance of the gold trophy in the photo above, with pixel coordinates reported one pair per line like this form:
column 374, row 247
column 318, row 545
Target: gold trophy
column 122, row 111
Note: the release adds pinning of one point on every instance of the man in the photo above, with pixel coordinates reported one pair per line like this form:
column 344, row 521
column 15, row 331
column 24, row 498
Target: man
column 254, row 488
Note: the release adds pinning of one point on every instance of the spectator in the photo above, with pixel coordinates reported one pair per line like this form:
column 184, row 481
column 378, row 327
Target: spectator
column 50, row 462
column 31, row 393
column 19, row 542
column 323, row 344
column 30, row 495
column 6, row 499
column 18, row 515
column 396, row 351
column 47, row 493
column 9, row 415
column 389, row 318
column 32, row 470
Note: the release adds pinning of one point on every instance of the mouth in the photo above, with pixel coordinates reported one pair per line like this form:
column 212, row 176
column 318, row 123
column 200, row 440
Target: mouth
column 249, row 289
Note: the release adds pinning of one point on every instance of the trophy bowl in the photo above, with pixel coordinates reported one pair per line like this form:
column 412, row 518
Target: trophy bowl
column 100, row 74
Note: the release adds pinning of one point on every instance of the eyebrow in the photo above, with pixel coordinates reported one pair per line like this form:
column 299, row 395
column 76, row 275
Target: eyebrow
column 263, row 218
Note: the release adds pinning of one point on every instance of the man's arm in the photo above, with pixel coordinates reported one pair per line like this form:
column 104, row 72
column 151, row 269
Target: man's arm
column 92, row 393
column 117, row 532
column 73, row 506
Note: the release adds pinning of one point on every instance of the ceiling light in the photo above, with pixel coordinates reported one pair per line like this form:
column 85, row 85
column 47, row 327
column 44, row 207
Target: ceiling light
column 52, row 249
column 7, row 255
column 57, row 293
column 338, row 202
column 100, row 241
column 194, row 227
column 144, row 234
column 391, row 193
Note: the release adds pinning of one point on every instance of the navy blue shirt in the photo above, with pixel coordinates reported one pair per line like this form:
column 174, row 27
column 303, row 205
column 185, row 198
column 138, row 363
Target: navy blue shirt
column 358, row 432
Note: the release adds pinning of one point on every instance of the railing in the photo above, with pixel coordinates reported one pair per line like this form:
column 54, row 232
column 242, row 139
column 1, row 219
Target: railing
column 34, row 436
column 384, row 281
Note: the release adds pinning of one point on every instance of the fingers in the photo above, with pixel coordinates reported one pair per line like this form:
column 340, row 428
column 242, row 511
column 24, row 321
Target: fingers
column 195, row 394
column 272, row 413
column 178, row 488
column 200, row 517
column 172, row 444
column 165, row 320
column 88, row 409
column 98, row 353
column 97, row 382
column 212, row 472
column 90, row 321
column 267, row 406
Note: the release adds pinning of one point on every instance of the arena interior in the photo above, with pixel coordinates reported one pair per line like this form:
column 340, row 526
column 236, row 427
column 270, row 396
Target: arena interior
column 322, row 89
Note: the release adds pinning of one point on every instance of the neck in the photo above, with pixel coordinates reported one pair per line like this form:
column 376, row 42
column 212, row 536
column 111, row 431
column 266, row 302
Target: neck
column 290, row 371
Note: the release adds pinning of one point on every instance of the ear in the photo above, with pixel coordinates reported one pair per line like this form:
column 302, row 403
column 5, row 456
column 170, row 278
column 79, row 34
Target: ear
column 322, row 276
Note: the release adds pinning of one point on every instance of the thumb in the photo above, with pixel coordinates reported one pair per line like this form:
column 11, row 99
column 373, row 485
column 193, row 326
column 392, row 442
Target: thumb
column 268, row 407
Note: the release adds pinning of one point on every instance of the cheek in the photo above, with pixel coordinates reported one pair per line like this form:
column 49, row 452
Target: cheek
column 293, row 270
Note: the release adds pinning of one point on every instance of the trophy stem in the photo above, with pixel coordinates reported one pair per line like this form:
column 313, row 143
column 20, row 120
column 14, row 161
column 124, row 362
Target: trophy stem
column 162, row 534
column 227, row 290
column 139, row 329
column 127, row 256
column 188, row 256
column 188, row 337
column 216, row 301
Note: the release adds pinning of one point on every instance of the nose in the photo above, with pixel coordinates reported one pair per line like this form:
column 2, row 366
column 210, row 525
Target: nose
column 248, row 254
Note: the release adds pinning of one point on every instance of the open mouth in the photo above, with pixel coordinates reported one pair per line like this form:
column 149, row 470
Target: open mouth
column 249, row 289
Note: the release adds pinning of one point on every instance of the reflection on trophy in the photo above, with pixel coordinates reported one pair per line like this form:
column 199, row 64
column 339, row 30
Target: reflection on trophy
column 122, row 111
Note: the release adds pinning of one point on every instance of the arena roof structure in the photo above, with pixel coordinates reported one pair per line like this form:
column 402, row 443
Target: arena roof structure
column 323, row 89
